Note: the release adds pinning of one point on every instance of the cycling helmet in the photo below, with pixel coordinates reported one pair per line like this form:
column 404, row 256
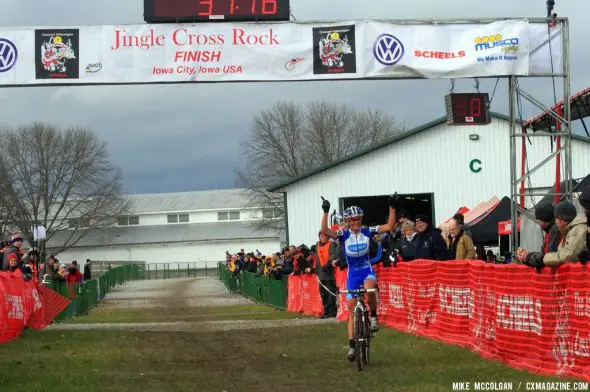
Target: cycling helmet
column 353, row 212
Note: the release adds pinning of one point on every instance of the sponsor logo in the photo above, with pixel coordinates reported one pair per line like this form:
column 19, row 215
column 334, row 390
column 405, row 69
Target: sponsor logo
column 357, row 247
column 334, row 50
column 290, row 65
column 8, row 55
column 433, row 54
column 488, row 42
column 56, row 54
column 93, row 68
column 388, row 50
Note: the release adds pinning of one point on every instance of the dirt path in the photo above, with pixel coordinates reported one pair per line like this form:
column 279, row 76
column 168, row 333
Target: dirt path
column 178, row 297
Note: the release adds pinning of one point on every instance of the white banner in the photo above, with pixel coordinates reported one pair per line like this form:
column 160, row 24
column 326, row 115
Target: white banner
column 226, row 52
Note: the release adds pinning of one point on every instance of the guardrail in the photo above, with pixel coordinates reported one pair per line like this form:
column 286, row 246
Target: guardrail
column 261, row 289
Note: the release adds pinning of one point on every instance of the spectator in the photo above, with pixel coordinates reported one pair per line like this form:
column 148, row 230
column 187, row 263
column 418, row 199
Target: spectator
column 12, row 256
column 573, row 231
column 409, row 243
column 88, row 270
column 431, row 245
column 328, row 254
column 74, row 275
column 460, row 220
column 544, row 216
column 460, row 244
column 585, row 203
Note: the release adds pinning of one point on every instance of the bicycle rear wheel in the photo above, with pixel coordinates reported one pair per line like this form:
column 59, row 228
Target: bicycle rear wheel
column 359, row 335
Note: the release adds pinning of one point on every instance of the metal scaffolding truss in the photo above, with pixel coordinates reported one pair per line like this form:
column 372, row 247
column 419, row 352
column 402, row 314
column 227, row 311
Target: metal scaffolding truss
column 560, row 113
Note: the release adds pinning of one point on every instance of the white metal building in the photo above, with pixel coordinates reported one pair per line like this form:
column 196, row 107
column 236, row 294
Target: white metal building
column 457, row 165
column 176, row 227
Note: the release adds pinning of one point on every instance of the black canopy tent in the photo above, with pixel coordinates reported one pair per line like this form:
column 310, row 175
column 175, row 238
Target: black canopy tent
column 484, row 230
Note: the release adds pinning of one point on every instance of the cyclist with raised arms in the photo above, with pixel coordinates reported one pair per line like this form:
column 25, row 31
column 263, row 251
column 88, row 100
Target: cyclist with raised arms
column 355, row 243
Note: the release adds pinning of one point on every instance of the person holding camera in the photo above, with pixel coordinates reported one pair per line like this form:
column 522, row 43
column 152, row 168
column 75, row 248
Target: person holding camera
column 327, row 257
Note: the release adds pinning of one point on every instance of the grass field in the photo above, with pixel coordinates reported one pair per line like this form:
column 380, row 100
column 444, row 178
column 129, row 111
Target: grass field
column 284, row 358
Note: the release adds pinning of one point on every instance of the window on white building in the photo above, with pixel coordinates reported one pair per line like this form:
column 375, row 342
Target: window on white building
column 75, row 223
column 172, row 218
column 128, row 220
column 233, row 215
column 178, row 218
column 270, row 213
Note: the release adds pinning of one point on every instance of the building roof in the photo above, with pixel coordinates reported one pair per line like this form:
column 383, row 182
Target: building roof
column 141, row 235
column 395, row 138
column 189, row 201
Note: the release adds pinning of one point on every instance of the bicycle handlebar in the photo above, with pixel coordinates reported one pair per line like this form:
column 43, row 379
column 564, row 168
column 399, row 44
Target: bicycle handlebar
column 358, row 291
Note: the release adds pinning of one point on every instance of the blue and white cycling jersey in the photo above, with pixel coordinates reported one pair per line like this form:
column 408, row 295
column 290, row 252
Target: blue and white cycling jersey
column 356, row 247
column 356, row 251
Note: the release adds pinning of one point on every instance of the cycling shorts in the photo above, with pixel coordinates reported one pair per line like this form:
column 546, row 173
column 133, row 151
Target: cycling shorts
column 357, row 278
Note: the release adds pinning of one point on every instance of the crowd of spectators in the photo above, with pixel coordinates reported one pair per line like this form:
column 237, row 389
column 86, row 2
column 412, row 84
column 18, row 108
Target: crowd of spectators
column 566, row 238
column 33, row 269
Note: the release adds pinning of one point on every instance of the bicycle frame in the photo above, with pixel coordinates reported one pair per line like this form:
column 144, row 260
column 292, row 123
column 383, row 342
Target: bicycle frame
column 363, row 334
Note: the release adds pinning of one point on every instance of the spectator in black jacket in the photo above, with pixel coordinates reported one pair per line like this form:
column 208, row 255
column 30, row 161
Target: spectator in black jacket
column 545, row 217
column 409, row 243
column 585, row 203
column 88, row 270
column 431, row 246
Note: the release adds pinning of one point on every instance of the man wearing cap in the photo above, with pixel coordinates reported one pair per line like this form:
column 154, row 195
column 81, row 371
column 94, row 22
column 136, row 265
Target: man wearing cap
column 12, row 256
column 432, row 246
column 544, row 216
column 573, row 233
column 460, row 220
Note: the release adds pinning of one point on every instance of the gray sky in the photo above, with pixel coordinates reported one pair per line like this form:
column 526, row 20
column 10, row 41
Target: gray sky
column 186, row 137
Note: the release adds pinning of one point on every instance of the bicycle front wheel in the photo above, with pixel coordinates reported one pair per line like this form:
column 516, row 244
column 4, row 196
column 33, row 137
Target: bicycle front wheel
column 359, row 337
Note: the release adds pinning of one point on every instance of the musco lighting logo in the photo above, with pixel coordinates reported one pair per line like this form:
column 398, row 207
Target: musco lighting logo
column 493, row 41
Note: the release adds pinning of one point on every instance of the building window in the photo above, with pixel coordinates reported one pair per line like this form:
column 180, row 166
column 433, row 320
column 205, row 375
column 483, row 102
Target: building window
column 76, row 223
column 270, row 213
column 128, row 220
column 233, row 215
column 178, row 218
column 172, row 218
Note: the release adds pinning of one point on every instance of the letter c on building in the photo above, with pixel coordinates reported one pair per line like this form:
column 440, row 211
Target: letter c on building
column 472, row 165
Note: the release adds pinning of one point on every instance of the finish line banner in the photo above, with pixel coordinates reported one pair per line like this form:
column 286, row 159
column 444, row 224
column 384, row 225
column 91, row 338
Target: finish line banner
column 232, row 52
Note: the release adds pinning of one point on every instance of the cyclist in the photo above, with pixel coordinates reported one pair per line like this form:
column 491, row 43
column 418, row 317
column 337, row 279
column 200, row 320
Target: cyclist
column 355, row 242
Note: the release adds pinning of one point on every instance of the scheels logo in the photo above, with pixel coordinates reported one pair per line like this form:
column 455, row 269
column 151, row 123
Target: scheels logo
column 433, row 54
column 493, row 41
column 8, row 55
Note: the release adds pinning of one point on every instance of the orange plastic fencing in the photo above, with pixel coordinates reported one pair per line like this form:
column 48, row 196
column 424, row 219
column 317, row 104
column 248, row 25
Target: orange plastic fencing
column 22, row 304
column 538, row 322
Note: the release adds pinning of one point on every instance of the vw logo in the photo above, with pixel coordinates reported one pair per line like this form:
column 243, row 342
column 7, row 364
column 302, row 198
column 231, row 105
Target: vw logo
column 388, row 50
column 8, row 55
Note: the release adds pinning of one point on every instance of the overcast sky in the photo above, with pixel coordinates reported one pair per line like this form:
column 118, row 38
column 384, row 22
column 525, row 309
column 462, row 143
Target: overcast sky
column 186, row 137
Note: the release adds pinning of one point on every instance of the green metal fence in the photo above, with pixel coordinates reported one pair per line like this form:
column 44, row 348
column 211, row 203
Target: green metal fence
column 86, row 296
column 262, row 289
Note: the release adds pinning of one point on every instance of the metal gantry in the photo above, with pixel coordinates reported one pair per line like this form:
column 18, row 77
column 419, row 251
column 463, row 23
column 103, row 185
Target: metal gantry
column 562, row 132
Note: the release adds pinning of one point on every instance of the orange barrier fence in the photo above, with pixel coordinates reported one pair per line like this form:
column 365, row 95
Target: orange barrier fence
column 25, row 305
column 538, row 322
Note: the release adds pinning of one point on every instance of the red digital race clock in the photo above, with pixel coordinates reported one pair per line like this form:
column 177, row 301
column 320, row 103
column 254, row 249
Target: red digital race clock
column 468, row 109
column 188, row 11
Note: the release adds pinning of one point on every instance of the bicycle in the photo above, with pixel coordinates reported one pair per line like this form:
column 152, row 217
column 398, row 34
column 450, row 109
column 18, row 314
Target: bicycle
column 362, row 326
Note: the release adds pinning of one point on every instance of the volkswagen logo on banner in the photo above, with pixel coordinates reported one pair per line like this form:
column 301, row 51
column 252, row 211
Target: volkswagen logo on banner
column 388, row 50
column 8, row 55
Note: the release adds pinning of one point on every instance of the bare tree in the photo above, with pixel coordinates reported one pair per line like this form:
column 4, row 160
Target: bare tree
column 62, row 180
column 288, row 140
